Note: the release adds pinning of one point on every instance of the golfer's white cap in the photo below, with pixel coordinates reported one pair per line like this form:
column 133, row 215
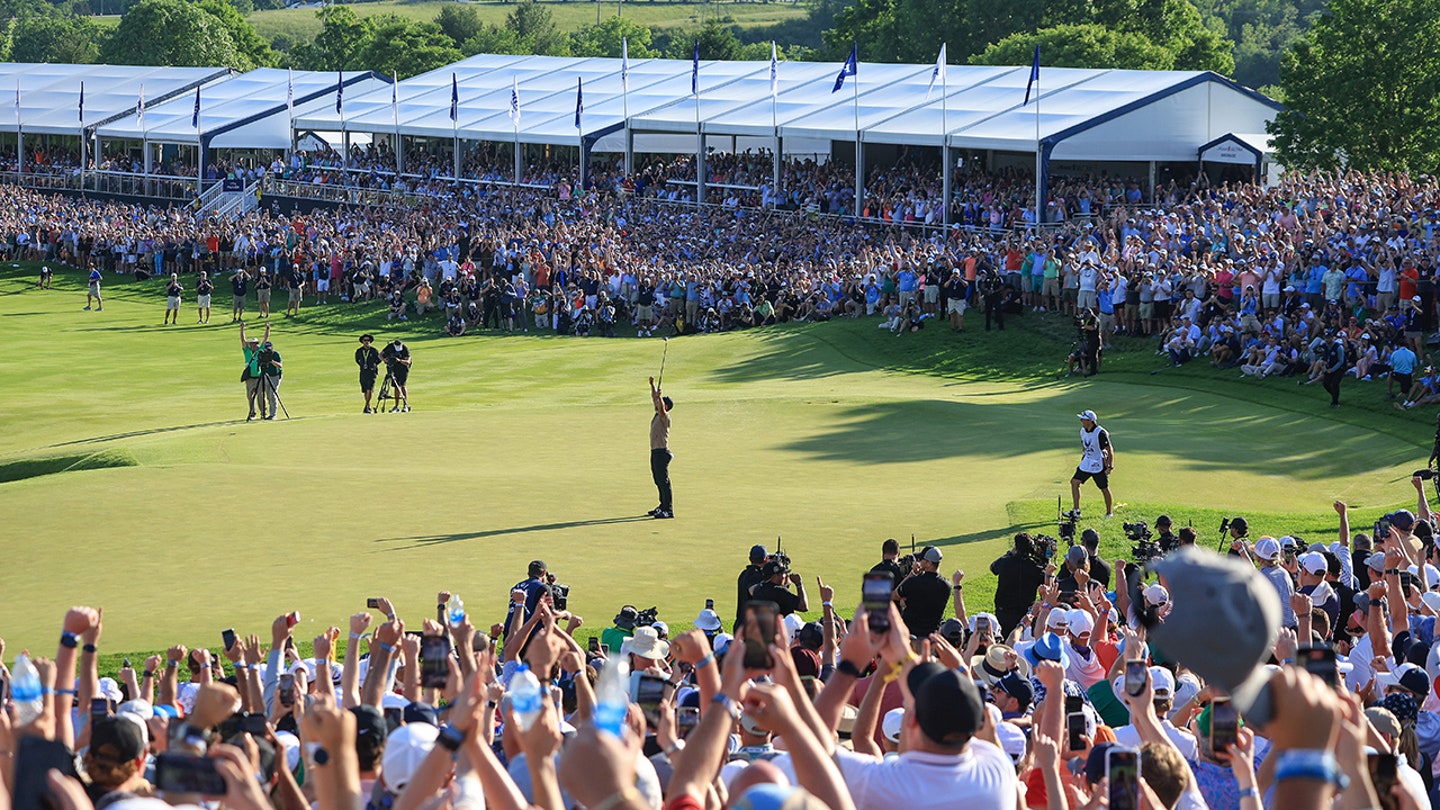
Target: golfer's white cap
column 1088, row 416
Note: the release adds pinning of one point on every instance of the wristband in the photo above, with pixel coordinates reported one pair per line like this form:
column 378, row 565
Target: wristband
column 1250, row 793
column 1301, row 763
column 89, row 648
column 450, row 738
column 675, row 748
column 171, row 664
column 846, row 667
column 959, row 587
column 70, row 692
column 356, row 636
column 69, row 640
column 385, row 647
column 1392, row 572
column 239, row 667
column 149, row 673
column 731, row 707
column 703, row 662
column 826, row 604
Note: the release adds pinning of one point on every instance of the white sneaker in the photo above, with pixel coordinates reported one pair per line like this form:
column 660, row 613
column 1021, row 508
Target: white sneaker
column 1109, row 515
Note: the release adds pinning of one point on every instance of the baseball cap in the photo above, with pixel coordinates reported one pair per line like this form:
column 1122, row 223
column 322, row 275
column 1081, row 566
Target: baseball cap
column 117, row 738
column 1163, row 681
column 1012, row 741
column 953, row 631
column 1402, row 519
column 1376, row 561
column 1090, row 538
column 1409, row 677
column 1058, row 620
column 1017, row 686
column 1314, row 563
column 404, row 752
column 1268, row 548
column 1156, row 595
column 758, row 553
column 891, row 724
column 1076, row 555
column 932, row 554
column 947, row 704
column 1224, row 622
column 722, row 643
column 1080, row 622
column 421, row 712
column 1088, row 416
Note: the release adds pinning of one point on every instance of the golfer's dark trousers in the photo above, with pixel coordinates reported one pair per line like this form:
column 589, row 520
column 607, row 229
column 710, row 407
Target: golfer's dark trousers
column 660, row 471
column 1332, row 384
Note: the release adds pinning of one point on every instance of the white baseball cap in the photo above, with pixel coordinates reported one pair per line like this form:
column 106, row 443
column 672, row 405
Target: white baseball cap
column 1088, row 416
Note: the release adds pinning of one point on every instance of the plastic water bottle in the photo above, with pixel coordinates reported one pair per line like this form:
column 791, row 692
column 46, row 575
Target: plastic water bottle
column 526, row 698
column 612, row 695
column 26, row 691
column 455, row 609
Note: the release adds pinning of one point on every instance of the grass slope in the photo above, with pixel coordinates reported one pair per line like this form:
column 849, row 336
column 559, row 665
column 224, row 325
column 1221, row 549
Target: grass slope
column 301, row 24
column 832, row 436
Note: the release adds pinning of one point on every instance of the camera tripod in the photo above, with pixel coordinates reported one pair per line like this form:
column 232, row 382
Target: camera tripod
column 266, row 384
column 385, row 393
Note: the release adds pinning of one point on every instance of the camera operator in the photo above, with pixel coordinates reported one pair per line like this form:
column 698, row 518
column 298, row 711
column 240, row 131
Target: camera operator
column 1018, row 578
column 1099, row 569
column 1239, row 531
column 397, row 362
column 534, row 587
column 992, row 288
column 889, row 563
column 924, row 594
column 368, row 359
column 776, row 573
column 271, row 370
column 1164, row 536
column 1088, row 325
column 752, row 575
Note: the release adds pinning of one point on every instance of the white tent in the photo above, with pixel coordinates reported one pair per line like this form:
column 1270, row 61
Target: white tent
column 49, row 95
column 247, row 111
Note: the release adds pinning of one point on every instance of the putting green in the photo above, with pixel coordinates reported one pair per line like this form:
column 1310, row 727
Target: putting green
column 523, row 447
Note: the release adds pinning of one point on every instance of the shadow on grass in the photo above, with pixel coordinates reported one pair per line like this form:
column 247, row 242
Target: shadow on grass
column 429, row 539
column 1202, row 432
column 152, row 431
column 1036, row 527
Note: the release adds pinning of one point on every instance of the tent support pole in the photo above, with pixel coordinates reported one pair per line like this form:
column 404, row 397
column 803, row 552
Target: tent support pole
column 945, row 161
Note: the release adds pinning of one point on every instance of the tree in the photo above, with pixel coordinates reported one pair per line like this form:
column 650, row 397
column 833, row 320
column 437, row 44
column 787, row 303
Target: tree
column 459, row 21
column 249, row 42
column 716, row 42
column 494, row 39
column 406, row 47
column 172, row 32
column 1092, row 46
column 56, row 39
column 534, row 26
column 1359, row 90
column 604, row 39
column 338, row 45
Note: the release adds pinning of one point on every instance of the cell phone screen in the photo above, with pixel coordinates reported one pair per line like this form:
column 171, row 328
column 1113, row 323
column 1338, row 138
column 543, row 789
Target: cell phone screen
column 287, row 688
column 875, row 593
column 99, row 707
column 434, row 661
column 1075, row 730
column 1224, row 727
column 34, row 758
column 372, row 603
column 1122, row 770
column 982, row 624
column 649, row 691
column 184, row 773
column 1319, row 660
column 594, row 644
column 228, row 636
column 760, row 634
column 686, row 719
column 255, row 724
column 1136, row 674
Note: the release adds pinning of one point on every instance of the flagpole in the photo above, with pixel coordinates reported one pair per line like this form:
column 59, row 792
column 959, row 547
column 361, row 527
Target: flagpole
column 395, row 116
column 580, row 131
column 625, row 100
column 1039, row 204
column 19, row 134
column 775, row 120
column 859, row 144
column 699, row 132
column 947, row 168
column 515, row 119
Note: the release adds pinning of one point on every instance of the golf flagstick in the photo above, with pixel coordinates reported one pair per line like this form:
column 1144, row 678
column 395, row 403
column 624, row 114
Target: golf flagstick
column 659, row 381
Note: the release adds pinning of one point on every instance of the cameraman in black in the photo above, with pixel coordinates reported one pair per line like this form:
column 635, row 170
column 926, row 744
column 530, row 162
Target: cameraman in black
column 368, row 359
column 1088, row 324
column 271, row 371
column 750, row 577
column 992, row 287
column 924, row 595
column 776, row 573
column 1164, row 536
column 1019, row 577
column 527, row 593
column 1099, row 569
column 397, row 362
column 889, row 563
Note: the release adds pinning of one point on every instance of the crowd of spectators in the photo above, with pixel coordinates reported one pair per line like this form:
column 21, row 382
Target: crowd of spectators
column 1094, row 683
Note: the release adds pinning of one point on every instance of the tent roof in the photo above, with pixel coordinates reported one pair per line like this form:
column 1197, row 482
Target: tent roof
column 50, row 94
column 254, row 102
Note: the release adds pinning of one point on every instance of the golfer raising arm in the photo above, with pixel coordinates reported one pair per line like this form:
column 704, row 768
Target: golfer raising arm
column 660, row 454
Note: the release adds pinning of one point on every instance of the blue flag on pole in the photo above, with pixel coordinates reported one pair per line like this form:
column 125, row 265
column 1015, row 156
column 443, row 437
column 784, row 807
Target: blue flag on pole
column 695, row 70
column 454, row 98
column 579, row 100
column 82, row 102
column 339, row 92
column 1034, row 75
column 515, row 100
column 625, row 63
column 774, row 72
column 195, row 116
column 848, row 69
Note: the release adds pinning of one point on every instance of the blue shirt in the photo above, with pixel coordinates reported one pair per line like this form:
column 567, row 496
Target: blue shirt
column 1402, row 360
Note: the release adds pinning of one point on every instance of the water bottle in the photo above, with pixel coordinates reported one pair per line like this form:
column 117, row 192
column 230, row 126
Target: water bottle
column 455, row 609
column 26, row 691
column 526, row 698
column 612, row 696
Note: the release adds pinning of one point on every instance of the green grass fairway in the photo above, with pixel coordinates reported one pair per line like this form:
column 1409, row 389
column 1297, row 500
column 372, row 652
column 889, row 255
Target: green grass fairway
column 301, row 23
column 128, row 478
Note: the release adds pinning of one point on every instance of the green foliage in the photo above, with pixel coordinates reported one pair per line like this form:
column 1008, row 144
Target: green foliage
column 1090, row 45
column 716, row 42
column 493, row 39
column 57, row 39
column 1261, row 30
column 172, row 32
column 252, row 47
column 406, row 48
column 533, row 25
column 338, row 45
column 459, row 21
column 1360, row 93
column 605, row 38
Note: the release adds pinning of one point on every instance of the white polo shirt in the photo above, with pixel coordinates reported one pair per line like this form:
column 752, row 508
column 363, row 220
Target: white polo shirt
column 981, row 778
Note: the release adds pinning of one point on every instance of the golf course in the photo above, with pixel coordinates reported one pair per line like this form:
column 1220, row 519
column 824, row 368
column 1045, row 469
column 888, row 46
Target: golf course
column 130, row 480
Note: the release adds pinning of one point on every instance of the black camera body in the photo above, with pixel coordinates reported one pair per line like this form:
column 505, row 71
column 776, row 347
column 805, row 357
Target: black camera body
column 1144, row 549
column 560, row 596
column 646, row 617
column 1042, row 549
column 1066, row 527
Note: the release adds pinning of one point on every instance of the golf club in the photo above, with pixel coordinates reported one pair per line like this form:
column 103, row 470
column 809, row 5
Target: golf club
column 661, row 379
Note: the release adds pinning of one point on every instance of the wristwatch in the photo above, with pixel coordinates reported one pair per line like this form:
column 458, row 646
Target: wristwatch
column 847, row 667
column 451, row 738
